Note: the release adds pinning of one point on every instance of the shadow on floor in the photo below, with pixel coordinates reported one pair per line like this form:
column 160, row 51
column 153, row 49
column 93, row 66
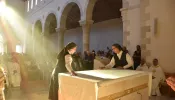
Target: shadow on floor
column 37, row 90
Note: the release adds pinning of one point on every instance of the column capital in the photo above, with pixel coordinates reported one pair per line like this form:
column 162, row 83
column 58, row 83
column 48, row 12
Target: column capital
column 124, row 13
column 86, row 22
column 123, row 9
column 62, row 30
column 130, row 7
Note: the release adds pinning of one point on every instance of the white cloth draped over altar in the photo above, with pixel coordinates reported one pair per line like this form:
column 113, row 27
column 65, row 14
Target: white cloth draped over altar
column 100, row 62
column 105, row 85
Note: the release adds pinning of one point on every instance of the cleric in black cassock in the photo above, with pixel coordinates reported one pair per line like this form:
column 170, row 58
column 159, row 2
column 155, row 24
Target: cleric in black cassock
column 63, row 65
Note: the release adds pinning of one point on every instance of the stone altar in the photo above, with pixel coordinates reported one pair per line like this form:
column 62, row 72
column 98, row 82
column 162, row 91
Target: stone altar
column 105, row 85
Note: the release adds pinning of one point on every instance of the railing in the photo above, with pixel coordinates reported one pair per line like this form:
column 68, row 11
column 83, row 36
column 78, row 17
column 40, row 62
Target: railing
column 39, row 6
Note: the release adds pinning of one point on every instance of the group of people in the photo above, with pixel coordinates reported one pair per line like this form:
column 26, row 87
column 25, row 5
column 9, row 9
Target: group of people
column 16, row 69
column 10, row 74
column 120, row 60
column 11, row 68
column 64, row 64
column 90, row 56
column 158, row 76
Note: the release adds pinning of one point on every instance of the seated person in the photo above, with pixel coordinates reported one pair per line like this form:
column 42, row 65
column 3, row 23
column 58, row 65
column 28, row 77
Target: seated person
column 109, row 55
column 143, row 66
column 77, row 63
column 158, row 77
column 137, row 57
column 125, row 50
column 120, row 60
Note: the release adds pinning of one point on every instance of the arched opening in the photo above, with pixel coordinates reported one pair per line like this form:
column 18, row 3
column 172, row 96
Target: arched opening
column 50, row 24
column 19, row 48
column 38, row 28
column 107, row 28
column 50, row 41
column 37, row 42
column 70, row 20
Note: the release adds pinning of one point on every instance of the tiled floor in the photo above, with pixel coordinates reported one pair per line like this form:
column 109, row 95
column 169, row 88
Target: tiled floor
column 16, row 94
column 39, row 91
column 36, row 91
column 161, row 98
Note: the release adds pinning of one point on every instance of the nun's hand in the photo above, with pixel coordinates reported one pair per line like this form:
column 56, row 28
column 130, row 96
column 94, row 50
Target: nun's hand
column 73, row 73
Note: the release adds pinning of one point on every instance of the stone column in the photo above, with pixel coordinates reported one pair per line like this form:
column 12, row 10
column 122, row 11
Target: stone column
column 24, row 43
column 33, row 42
column 86, row 26
column 60, row 32
column 33, row 48
column 43, row 43
column 131, row 24
column 125, row 25
column 5, row 47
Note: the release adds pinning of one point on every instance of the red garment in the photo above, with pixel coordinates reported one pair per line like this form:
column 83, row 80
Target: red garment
column 171, row 82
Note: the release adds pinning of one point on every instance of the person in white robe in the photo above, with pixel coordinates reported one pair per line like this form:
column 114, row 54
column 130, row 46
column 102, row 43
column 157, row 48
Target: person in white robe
column 2, row 79
column 14, row 73
column 158, row 77
column 143, row 66
column 3, row 64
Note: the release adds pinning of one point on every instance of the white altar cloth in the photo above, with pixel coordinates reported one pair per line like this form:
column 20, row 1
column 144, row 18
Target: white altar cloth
column 100, row 62
column 105, row 85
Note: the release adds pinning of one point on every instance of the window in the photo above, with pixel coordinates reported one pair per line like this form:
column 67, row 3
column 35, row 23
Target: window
column 36, row 2
column 28, row 5
column 18, row 48
column 31, row 4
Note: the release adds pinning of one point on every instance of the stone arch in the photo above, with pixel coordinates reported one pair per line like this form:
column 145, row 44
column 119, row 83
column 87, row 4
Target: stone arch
column 91, row 4
column 70, row 16
column 50, row 24
column 104, row 13
column 65, row 11
column 50, row 34
column 37, row 34
column 89, row 9
column 47, row 14
column 37, row 28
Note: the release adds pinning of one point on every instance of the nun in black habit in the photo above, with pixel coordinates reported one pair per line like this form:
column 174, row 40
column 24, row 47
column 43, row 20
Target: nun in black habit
column 63, row 65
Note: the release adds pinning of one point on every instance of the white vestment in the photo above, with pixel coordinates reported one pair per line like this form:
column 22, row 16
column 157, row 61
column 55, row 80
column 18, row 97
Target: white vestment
column 143, row 67
column 6, row 73
column 14, row 74
column 2, row 78
column 159, row 77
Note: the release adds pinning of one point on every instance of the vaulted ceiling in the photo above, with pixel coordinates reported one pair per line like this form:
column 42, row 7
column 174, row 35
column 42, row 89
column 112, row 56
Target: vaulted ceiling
column 106, row 10
column 73, row 18
column 38, row 28
column 50, row 24
column 103, row 10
